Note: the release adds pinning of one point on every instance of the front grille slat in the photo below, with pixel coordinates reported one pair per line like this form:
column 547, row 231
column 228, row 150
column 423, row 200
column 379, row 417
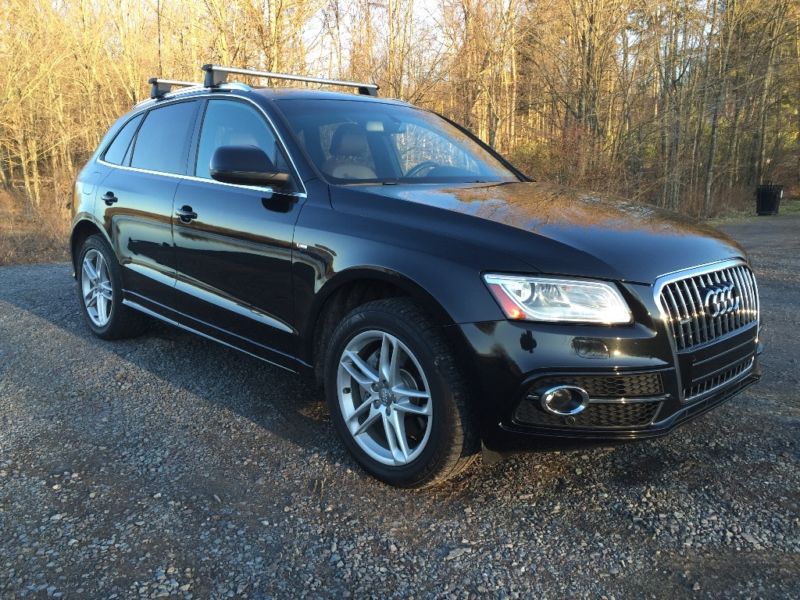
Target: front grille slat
column 717, row 320
column 723, row 319
column 706, row 282
column 750, row 304
column 749, row 300
column 694, row 313
column 730, row 318
column 739, row 284
column 676, row 320
column 701, row 311
column 751, row 291
column 683, row 302
column 687, row 317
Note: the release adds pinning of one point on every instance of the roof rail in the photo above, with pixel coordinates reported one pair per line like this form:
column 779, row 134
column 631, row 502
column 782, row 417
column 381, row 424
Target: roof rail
column 217, row 75
column 159, row 87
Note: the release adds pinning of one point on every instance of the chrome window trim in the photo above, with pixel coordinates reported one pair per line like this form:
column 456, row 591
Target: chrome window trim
column 278, row 137
column 200, row 179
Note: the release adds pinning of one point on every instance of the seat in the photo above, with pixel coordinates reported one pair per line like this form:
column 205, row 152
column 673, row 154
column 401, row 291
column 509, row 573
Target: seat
column 350, row 154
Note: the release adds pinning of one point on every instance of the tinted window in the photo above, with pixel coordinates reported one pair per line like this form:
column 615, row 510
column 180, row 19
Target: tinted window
column 116, row 151
column 231, row 123
column 354, row 141
column 163, row 140
column 417, row 144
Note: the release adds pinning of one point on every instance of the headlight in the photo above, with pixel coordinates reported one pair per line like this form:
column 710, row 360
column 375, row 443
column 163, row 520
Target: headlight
column 546, row 299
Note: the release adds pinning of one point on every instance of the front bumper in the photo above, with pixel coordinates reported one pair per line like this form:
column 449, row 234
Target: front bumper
column 639, row 384
column 655, row 429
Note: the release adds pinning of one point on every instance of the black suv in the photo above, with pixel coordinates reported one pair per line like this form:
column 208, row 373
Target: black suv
column 442, row 298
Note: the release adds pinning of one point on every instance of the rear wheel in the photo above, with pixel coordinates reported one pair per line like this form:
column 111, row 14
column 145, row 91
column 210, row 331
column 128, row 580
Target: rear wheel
column 396, row 397
column 100, row 292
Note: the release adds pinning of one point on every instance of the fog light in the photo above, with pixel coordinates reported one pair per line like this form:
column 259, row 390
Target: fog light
column 564, row 400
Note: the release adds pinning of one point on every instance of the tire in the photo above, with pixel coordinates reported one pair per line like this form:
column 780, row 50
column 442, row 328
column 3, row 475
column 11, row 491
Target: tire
column 116, row 321
column 370, row 417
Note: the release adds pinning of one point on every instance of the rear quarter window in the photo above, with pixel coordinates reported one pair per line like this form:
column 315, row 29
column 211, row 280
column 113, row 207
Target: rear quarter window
column 115, row 154
column 162, row 143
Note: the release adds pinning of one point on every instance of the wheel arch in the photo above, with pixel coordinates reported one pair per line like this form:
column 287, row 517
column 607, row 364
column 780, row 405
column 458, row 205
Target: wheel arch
column 354, row 287
column 81, row 230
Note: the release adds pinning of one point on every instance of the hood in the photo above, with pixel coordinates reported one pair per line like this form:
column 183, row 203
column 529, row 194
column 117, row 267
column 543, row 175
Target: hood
column 579, row 233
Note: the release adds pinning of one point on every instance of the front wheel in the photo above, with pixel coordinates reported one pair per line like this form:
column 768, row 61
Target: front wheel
column 396, row 396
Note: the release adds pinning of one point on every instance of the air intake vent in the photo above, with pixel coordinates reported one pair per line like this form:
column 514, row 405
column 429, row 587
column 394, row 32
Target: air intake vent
column 609, row 386
column 637, row 414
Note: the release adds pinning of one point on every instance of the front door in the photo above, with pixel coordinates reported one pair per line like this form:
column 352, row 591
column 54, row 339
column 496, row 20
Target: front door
column 233, row 243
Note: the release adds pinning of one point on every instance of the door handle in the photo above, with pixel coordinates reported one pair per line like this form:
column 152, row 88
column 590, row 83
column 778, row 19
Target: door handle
column 109, row 198
column 186, row 214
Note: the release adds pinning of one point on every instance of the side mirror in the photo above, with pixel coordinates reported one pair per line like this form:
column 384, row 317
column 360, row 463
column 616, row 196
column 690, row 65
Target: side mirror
column 245, row 165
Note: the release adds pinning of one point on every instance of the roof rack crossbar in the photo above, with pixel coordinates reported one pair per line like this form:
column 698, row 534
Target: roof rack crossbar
column 217, row 75
column 159, row 87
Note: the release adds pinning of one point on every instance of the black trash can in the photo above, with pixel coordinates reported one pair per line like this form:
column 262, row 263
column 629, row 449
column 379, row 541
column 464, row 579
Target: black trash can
column 768, row 198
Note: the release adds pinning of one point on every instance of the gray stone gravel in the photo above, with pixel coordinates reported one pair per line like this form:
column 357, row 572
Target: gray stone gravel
column 169, row 466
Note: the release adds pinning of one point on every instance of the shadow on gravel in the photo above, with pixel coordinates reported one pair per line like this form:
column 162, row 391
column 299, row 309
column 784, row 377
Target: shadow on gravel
column 286, row 404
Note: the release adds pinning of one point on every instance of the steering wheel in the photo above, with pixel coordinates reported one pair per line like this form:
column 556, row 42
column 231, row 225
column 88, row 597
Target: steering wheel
column 416, row 170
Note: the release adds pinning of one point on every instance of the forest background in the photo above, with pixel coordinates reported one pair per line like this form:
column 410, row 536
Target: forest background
column 685, row 104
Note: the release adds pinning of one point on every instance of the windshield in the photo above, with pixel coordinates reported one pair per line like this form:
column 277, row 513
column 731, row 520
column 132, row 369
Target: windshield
column 353, row 141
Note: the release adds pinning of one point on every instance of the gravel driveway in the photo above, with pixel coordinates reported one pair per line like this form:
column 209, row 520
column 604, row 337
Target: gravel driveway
column 168, row 465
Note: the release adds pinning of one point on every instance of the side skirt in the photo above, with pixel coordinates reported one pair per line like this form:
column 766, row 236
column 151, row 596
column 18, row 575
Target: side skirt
column 157, row 315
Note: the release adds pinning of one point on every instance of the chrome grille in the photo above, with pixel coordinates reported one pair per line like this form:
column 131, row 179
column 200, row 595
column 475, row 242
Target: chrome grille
column 685, row 302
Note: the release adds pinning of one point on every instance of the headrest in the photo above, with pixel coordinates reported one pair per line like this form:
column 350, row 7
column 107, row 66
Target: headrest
column 349, row 139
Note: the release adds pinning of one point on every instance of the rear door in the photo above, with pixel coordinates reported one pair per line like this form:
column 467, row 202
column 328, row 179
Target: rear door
column 136, row 198
column 233, row 258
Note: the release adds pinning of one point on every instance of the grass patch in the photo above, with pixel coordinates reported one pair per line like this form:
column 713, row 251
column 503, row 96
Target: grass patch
column 30, row 236
column 788, row 207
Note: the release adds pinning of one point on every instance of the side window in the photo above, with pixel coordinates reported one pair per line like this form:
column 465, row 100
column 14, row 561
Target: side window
column 119, row 147
column 163, row 140
column 232, row 123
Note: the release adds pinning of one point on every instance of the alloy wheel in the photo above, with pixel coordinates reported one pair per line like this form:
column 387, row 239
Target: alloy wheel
column 384, row 397
column 96, row 288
